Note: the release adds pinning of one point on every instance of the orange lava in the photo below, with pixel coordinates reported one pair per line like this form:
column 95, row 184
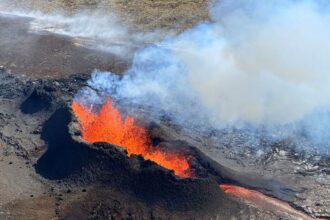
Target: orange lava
column 262, row 201
column 107, row 125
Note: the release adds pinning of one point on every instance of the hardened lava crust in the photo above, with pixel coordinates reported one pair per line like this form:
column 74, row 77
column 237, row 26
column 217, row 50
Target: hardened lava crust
column 48, row 163
column 49, row 172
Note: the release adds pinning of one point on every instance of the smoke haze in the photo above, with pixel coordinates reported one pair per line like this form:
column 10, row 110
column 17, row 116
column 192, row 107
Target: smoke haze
column 97, row 31
column 89, row 28
column 255, row 64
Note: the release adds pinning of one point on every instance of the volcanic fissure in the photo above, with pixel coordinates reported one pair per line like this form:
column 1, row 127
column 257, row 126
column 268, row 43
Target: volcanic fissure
column 108, row 125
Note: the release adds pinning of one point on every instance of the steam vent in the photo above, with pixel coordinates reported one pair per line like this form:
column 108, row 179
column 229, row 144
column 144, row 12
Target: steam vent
column 164, row 109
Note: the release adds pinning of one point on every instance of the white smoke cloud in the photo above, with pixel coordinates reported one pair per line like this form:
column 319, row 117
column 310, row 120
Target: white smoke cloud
column 97, row 31
column 256, row 63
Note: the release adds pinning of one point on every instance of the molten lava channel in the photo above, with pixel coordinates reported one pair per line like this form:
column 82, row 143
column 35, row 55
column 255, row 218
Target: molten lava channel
column 262, row 201
column 108, row 125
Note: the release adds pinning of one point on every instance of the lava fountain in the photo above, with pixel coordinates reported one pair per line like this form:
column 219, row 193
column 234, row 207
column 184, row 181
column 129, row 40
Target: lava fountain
column 108, row 125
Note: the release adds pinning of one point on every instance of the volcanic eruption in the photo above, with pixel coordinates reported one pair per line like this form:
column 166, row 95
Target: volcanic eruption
column 227, row 116
column 219, row 78
column 108, row 125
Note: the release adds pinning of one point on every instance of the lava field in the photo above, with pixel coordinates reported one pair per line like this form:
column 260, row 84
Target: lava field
column 73, row 148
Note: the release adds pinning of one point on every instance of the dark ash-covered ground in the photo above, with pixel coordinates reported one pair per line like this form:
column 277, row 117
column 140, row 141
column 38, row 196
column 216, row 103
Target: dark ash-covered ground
column 48, row 173
column 43, row 164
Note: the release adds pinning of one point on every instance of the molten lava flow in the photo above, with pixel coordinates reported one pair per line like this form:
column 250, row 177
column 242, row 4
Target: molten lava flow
column 262, row 201
column 107, row 125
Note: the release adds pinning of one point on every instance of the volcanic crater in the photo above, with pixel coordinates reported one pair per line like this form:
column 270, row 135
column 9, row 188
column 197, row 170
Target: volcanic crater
column 70, row 158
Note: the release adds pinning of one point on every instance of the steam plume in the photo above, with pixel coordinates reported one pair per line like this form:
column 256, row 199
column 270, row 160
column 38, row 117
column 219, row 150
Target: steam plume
column 255, row 64
column 92, row 29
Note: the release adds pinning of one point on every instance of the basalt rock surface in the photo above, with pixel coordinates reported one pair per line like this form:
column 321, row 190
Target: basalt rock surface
column 75, row 179
column 289, row 170
column 49, row 172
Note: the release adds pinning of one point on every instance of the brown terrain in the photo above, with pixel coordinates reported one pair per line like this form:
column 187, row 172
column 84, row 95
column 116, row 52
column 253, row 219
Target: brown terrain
column 145, row 14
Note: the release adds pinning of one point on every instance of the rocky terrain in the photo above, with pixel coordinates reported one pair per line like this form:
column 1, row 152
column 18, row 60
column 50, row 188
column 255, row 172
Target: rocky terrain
column 48, row 172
